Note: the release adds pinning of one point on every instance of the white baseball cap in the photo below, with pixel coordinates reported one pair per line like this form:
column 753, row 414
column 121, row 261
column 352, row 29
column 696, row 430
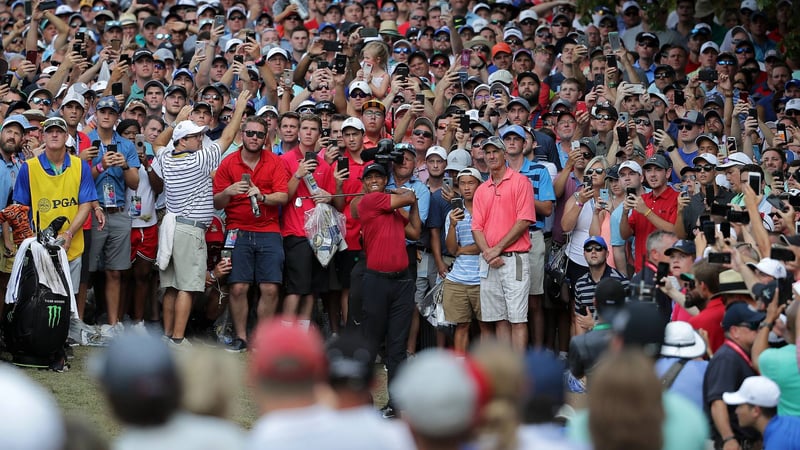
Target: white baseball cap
column 758, row 391
column 707, row 157
column 769, row 266
column 709, row 44
column 361, row 85
column 632, row 165
column 793, row 104
column 459, row 159
column 735, row 159
column 187, row 128
column 436, row 150
column 73, row 96
column 353, row 122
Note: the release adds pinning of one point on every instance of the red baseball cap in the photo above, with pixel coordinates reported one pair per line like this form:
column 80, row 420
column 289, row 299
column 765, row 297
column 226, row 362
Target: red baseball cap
column 285, row 351
column 215, row 231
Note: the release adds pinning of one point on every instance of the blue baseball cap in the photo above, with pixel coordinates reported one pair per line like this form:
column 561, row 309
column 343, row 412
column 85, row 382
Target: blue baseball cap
column 512, row 129
column 18, row 119
column 326, row 25
column 183, row 71
column 597, row 240
column 108, row 102
column 741, row 313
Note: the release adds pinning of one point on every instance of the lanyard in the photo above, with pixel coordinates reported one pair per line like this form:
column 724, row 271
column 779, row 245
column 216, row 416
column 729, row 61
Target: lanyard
column 735, row 347
column 602, row 326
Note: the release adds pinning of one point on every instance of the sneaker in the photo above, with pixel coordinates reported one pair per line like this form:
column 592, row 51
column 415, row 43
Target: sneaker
column 139, row 328
column 237, row 346
column 388, row 412
column 107, row 331
column 119, row 328
column 184, row 344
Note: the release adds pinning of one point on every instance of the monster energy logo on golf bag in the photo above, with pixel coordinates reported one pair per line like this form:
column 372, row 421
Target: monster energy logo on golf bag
column 53, row 316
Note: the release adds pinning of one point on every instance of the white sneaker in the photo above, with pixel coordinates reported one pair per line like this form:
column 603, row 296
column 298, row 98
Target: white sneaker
column 119, row 328
column 139, row 328
column 109, row 331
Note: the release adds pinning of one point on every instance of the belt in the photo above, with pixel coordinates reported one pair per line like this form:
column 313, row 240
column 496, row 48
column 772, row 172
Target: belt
column 390, row 275
column 507, row 254
column 194, row 223
column 112, row 209
column 424, row 249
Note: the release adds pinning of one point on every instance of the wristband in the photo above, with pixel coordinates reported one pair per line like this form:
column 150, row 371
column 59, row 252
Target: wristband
column 729, row 438
column 98, row 207
column 649, row 211
column 99, row 168
column 68, row 234
column 211, row 274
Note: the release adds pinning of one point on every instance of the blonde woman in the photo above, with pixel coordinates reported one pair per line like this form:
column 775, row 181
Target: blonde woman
column 612, row 195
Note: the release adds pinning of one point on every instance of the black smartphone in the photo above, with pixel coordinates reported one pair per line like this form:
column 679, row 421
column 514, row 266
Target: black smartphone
column 718, row 209
column 679, row 97
column 246, row 178
column 323, row 65
column 707, row 75
column 587, row 181
column 663, row 270
column 126, row 58
column 28, row 5
column 719, row 258
column 725, row 229
column 44, row 6
column 343, row 163
column 112, row 148
column 752, row 112
column 368, row 32
column 219, row 21
column 7, row 78
column 738, row 217
column 599, row 79
column 77, row 47
column 80, row 36
column 658, row 125
column 32, row 56
column 464, row 123
column 710, row 232
column 340, row 64
column 326, row 132
column 709, row 195
column 239, row 58
column 331, row 46
column 421, row 98
column 402, row 72
column 311, row 156
column 457, row 203
column 251, row 35
column 96, row 143
column 754, row 179
column 630, row 191
column 611, row 61
column 730, row 145
column 116, row 89
column 781, row 253
column 622, row 136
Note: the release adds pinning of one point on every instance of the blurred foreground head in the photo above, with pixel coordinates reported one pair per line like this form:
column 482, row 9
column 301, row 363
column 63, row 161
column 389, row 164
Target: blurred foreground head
column 140, row 379
column 29, row 416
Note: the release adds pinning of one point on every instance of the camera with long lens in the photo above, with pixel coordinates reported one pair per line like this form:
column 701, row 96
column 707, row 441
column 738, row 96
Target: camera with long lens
column 386, row 152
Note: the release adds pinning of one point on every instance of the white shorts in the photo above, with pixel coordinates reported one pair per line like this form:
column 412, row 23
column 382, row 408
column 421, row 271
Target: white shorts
column 504, row 291
column 536, row 257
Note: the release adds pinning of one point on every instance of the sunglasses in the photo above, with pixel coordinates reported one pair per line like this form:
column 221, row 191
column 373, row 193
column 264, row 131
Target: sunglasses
column 211, row 97
column 405, row 50
column 389, row 9
column 159, row 66
column 632, row 13
column 774, row 215
column 439, row 64
column 662, row 76
column 792, row 112
column 593, row 248
column 258, row 134
column 587, row 156
column 358, row 94
column 419, row 18
column 560, row 24
column 442, row 39
column 648, row 44
column 642, row 122
column 41, row 101
column 741, row 50
column 528, row 22
column 706, row 168
column 225, row 118
column 604, row 117
column 163, row 36
column 595, row 171
column 514, row 42
column 686, row 126
column 243, row 18
column 423, row 133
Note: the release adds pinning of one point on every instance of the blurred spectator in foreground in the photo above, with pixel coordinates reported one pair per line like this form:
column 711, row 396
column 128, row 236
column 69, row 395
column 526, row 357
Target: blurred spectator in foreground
column 29, row 416
column 756, row 404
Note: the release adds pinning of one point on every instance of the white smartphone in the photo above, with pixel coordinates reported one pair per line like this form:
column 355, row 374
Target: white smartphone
column 576, row 145
column 367, row 70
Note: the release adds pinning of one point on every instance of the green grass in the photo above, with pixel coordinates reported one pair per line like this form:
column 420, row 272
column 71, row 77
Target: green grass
column 80, row 396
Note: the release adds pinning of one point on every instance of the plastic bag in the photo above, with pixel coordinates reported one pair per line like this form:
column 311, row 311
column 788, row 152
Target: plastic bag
column 324, row 226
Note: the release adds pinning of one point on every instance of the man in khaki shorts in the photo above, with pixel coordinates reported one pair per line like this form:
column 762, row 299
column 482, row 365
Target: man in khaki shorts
column 462, row 286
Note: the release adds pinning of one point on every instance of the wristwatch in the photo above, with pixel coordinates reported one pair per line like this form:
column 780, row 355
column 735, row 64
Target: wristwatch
column 765, row 324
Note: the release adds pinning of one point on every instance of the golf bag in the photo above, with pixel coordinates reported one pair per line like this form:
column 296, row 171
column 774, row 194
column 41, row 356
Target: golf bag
column 37, row 324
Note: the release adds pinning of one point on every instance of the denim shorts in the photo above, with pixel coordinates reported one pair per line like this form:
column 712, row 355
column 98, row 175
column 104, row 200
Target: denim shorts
column 257, row 257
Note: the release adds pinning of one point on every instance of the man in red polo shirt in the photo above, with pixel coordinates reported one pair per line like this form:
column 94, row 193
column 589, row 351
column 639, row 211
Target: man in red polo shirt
column 503, row 209
column 346, row 261
column 258, row 252
column 309, row 177
column 656, row 210
column 390, row 304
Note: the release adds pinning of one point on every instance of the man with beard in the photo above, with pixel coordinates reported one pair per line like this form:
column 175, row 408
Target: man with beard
column 257, row 256
column 529, row 87
column 154, row 97
column 656, row 210
column 387, row 314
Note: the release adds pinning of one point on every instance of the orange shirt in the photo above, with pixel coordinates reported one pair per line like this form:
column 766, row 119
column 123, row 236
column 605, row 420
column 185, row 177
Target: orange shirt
column 496, row 207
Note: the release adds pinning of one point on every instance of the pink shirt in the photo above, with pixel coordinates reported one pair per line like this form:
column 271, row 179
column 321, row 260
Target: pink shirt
column 496, row 207
column 294, row 218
